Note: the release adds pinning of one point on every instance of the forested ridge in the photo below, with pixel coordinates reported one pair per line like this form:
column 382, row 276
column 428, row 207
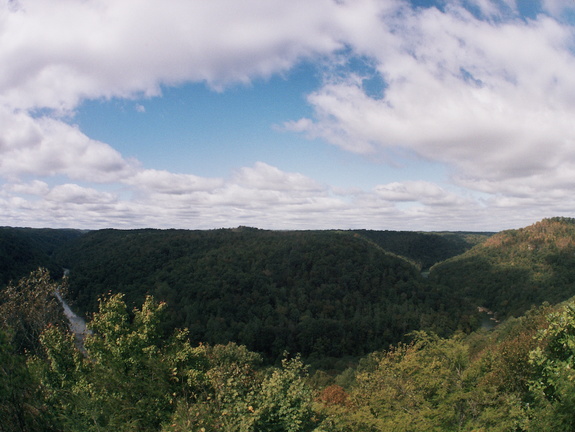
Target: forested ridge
column 423, row 248
column 515, row 269
column 212, row 330
column 324, row 294
column 23, row 250
column 130, row 377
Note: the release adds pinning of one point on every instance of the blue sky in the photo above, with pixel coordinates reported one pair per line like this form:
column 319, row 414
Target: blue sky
column 377, row 114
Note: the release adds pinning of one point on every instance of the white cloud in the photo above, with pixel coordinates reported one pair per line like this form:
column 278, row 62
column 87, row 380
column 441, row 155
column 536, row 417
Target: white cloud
column 557, row 8
column 418, row 191
column 75, row 194
column 71, row 206
column 493, row 100
column 34, row 188
column 265, row 177
column 55, row 54
column 261, row 195
column 164, row 182
column 47, row 147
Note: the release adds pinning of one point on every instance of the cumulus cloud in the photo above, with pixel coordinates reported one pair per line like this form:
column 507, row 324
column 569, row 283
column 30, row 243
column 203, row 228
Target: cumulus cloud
column 165, row 182
column 33, row 188
column 419, row 191
column 47, row 147
column 470, row 85
column 266, row 177
column 55, row 54
column 493, row 99
column 75, row 194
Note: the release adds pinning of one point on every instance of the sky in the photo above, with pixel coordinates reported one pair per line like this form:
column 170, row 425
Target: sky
column 454, row 115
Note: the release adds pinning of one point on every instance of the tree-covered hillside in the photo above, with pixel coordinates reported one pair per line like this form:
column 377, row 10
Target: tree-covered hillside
column 515, row 269
column 131, row 376
column 425, row 249
column 322, row 293
column 25, row 249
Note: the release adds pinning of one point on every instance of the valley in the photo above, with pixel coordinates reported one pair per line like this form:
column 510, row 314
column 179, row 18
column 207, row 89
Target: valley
column 248, row 329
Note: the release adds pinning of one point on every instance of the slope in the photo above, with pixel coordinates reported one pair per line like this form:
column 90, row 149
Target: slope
column 23, row 250
column 320, row 293
column 425, row 248
column 515, row 269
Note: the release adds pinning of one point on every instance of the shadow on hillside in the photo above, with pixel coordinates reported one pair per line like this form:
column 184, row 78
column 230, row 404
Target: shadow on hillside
column 507, row 288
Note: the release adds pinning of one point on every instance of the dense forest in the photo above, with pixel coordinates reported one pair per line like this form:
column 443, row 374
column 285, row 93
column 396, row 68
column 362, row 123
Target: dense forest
column 324, row 294
column 422, row 248
column 23, row 250
column 215, row 330
column 128, row 376
column 515, row 269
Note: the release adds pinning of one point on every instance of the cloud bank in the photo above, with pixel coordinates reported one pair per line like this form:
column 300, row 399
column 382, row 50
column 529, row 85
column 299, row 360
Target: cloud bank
column 476, row 86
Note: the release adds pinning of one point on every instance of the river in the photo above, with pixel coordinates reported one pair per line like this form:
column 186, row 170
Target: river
column 76, row 324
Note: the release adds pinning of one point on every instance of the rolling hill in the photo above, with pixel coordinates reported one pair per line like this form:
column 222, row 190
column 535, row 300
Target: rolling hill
column 515, row 269
column 320, row 293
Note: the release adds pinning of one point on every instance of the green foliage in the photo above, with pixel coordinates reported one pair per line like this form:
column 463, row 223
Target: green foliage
column 63, row 376
column 518, row 377
column 28, row 306
column 284, row 400
column 226, row 400
column 325, row 294
column 506, row 352
column 130, row 376
column 430, row 384
column 425, row 249
column 126, row 360
column 554, row 379
column 515, row 269
column 24, row 249
column 21, row 407
column 241, row 397
column 322, row 294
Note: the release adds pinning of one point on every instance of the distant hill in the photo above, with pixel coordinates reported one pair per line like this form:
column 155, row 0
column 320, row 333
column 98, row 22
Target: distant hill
column 321, row 293
column 23, row 250
column 332, row 296
column 515, row 269
column 425, row 248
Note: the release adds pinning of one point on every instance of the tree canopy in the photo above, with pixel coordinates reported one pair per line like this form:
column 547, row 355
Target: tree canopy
column 130, row 377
